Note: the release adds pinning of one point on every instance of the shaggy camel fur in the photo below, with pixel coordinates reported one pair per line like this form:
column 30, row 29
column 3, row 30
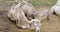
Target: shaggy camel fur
column 17, row 13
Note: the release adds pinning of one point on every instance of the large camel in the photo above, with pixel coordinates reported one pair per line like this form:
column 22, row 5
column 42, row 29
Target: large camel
column 24, row 12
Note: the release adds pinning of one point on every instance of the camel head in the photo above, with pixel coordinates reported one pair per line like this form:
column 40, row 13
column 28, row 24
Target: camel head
column 36, row 21
column 37, row 24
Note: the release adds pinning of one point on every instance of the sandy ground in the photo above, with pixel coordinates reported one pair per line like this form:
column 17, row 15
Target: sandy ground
column 51, row 25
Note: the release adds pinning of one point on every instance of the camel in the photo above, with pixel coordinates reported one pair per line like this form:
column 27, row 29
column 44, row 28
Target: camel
column 23, row 14
column 56, row 8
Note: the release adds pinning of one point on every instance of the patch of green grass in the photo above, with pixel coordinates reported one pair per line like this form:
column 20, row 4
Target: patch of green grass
column 40, row 3
column 46, row 3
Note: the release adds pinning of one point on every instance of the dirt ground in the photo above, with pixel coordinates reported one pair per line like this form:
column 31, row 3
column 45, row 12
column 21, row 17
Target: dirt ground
column 51, row 25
